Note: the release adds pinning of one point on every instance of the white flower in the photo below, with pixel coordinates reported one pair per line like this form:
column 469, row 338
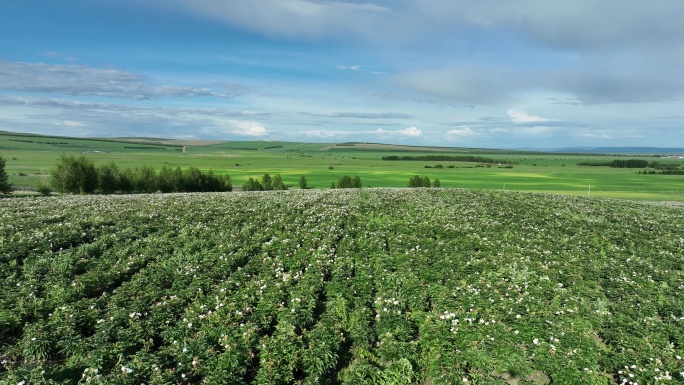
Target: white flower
column 535, row 341
column 126, row 370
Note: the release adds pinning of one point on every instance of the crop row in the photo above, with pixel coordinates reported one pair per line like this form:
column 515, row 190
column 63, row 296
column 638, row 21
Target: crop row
column 387, row 286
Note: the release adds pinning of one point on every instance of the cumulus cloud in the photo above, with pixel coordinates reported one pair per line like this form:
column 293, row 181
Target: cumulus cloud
column 519, row 115
column 411, row 131
column 83, row 80
column 247, row 128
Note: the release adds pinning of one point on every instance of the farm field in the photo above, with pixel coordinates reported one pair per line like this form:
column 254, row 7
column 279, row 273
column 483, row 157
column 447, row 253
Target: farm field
column 382, row 286
column 30, row 159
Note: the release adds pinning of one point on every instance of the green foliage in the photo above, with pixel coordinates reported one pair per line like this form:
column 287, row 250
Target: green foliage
column 107, row 178
column 452, row 158
column 79, row 175
column 418, row 181
column 278, row 183
column 347, row 182
column 252, row 184
column 44, row 189
column 302, row 182
column 73, row 175
column 5, row 186
column 378, row 286
column 267, row 182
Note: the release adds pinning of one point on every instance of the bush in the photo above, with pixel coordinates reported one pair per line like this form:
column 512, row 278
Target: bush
column 44, row 189
column 302, row 182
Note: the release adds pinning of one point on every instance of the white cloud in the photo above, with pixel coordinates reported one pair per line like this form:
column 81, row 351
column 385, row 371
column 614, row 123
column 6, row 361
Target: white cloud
column 294, row 18
column 461, row 131
column 409, row 131
column 325, row 133
column 247, row 128
column 70, row 123
column 519, row 115
column 84, row 80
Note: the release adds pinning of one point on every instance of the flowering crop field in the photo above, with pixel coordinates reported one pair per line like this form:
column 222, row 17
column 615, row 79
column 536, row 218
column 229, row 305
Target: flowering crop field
column 381, row 286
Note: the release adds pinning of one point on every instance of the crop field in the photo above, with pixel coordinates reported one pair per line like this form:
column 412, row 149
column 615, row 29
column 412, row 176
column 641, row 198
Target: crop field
column 361, row 286
column 30, row 159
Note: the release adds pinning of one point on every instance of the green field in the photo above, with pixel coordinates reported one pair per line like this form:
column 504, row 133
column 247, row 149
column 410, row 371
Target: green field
column 369, row 286
column 30, row 158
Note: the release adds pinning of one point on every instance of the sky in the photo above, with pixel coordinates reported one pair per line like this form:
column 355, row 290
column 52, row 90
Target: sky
column 459, row 73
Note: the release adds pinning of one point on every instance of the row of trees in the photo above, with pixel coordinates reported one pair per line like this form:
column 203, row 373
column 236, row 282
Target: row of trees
column 418, row 181
column 632, row 163
column 347, row 182
column 267, row 183
column 448, row 158
column 80, row 176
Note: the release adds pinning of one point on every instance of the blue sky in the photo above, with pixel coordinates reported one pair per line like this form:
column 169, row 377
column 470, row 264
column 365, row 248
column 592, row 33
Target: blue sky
column 486, row 73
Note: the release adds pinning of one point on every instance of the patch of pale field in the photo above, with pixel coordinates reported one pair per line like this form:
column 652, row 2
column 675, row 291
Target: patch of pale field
column 199, row 143
column 525, row 175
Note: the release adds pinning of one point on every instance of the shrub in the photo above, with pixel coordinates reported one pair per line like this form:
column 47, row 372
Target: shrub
column 44, row 189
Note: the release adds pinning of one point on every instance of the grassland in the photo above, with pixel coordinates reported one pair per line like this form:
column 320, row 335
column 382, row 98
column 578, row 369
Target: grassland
column 29, row 159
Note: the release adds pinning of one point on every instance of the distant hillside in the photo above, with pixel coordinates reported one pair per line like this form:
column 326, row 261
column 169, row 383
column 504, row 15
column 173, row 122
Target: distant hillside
column 624, row 150
column 346, row 146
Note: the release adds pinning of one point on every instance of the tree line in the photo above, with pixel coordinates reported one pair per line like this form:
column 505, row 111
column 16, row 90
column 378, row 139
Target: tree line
column 267, row 183
column 423, row 181
column 448, row 158
column 79, row 175
column 347, row 181
column 632, row 163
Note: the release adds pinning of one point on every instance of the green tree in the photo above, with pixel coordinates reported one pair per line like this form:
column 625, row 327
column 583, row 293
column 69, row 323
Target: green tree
column 267, row 182
column 356, row 182
column 302, row 182
column 145, row 180
column 167, row 180
column 344, row 182
column 74, row 176
column 278, row 183
column 192, row 180
column 124, row 181
column 437, row 183
column 213, row 182
column 418, row 181
column 107, row 178
column 252, row 185
column 414, row 181
column 5, row 186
